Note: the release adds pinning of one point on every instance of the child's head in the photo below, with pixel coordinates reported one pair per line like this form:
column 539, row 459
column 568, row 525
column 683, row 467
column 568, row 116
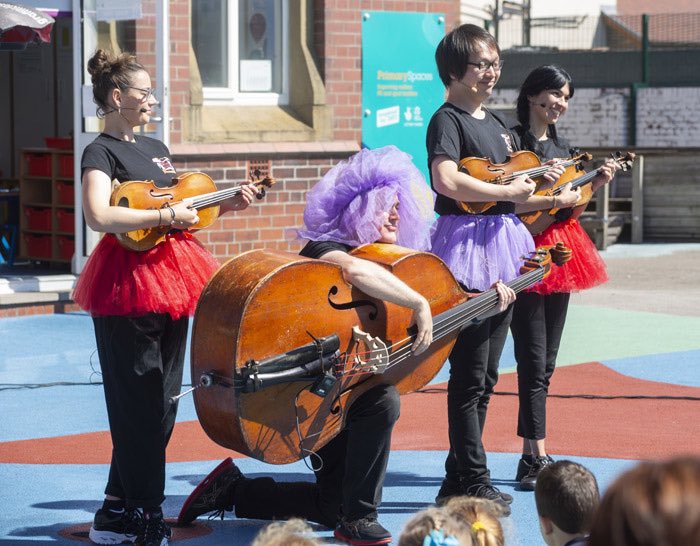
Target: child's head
column 293, row 532
column 653, row 503
column 435, row 527
column 480, row 516
column 458, row 48
column 567, row 495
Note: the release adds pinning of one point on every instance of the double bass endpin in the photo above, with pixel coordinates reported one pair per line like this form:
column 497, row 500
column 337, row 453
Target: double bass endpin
column 205, row 380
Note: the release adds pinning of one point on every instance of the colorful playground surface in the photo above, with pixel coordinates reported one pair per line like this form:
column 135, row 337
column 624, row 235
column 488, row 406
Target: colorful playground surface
column 626, row 389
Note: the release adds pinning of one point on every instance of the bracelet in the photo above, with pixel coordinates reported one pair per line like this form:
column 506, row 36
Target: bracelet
column 554, row 202
column 172, row 215
column 160, row 217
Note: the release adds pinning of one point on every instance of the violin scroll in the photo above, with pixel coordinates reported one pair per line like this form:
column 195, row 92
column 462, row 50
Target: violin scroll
column 261, row 183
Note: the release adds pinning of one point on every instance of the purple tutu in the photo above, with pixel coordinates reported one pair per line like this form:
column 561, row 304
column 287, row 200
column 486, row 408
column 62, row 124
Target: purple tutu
column 347, row 205
column 482, row 249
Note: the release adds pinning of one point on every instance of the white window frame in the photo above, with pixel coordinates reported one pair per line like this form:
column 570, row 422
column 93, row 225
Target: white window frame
column 230, row 96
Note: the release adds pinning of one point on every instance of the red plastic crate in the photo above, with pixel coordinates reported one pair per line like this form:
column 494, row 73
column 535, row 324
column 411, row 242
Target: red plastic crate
column 38, row 219
column 56, row 143
column 38, row 246
column 38, row 164
column 66, row 247
column 65, row 193
column 66, row 220
column 65, row 166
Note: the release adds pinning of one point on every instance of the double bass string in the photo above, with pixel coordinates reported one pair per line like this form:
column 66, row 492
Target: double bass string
column 467, row 312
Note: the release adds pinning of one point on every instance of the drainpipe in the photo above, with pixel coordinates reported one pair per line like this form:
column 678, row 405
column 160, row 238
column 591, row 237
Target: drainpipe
column 635, row 87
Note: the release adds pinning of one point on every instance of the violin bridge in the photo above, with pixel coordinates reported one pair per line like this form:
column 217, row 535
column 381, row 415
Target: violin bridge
column 377, row 353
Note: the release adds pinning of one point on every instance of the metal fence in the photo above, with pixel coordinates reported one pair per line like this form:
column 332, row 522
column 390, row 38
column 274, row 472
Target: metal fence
column 676, row 31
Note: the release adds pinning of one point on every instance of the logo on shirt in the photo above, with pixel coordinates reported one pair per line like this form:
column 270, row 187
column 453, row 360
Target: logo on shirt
column 164, row 164
column 509, row 141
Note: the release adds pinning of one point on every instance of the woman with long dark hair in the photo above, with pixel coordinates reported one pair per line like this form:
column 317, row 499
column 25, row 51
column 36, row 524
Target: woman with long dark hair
column 539, row 313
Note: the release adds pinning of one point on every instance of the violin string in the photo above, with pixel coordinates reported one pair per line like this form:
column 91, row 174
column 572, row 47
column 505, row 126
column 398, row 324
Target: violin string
column 214, row 197
column 539, row 171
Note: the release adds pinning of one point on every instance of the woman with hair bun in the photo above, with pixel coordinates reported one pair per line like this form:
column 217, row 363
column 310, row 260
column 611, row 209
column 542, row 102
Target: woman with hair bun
column 539, row 314
column 139, row 301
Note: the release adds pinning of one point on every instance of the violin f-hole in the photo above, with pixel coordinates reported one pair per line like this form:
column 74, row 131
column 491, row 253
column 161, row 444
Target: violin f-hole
column 159, row 195
column 352, row 304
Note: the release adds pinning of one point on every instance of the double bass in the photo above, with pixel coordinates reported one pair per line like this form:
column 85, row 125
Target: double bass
column 282, row 344
column 195, row 189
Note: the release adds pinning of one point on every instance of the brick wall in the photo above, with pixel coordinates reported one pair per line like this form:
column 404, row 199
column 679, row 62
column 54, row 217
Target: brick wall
column 340, row 53
column 668, row 117
column 665, row 117
column 269, row 221
column 337, row 41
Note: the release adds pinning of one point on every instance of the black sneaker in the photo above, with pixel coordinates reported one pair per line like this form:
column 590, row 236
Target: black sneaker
column 155, row 531
column 490, row 492
column 448, row 489
column 111, row 527
column 524, row 465
column 530, row 479
column 451, row 488
column 214, row 494
column 362, row 532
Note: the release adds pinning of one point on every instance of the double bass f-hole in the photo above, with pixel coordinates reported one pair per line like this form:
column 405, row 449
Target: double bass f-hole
column 352, row 304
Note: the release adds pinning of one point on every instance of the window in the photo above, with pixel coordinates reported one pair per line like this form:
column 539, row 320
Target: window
column 240, row 47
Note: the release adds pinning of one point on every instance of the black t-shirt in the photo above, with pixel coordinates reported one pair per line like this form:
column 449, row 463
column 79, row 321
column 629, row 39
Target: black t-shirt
column 145, row 159
column 545, row 149
column 457, row 134
column 316, row 249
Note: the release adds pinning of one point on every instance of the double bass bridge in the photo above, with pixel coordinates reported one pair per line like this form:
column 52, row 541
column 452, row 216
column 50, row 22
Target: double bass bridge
column 376, row 353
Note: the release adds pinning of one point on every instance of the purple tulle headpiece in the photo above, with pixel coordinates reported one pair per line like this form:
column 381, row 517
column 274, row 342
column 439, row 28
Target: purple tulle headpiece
column 347, row 205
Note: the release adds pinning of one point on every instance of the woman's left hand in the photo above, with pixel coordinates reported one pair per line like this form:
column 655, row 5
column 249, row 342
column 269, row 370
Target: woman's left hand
column 607, row 173
column 551, row 176
column 243, row 199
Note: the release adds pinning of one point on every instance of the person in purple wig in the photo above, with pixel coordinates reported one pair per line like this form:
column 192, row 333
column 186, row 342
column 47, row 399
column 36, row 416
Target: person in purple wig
column 359, row 201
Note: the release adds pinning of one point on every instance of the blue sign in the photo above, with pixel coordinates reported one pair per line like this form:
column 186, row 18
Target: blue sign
column 401, row 88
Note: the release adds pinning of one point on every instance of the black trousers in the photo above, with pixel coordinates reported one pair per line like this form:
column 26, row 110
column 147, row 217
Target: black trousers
column 537, row 327
column 352, row 476
column 142, row 360
column 473, row 376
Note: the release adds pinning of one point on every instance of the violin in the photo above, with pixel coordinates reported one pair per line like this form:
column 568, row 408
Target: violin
column 538, row 220
column 195, row 189
column 281, row 344
column 518, row 164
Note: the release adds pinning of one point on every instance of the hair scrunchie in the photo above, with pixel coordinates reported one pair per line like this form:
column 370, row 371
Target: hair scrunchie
column 437, row 538
column 478, row 526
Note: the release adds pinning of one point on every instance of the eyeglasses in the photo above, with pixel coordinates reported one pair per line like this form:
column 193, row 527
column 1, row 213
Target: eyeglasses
column 483, row 66
column 148, row 92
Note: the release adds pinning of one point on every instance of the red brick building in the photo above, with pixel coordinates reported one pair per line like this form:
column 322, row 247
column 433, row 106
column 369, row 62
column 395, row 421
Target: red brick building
column 296, row 142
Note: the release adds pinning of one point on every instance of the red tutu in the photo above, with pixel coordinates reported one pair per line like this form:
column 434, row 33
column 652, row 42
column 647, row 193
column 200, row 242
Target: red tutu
column 165, row 279
column 585, row 269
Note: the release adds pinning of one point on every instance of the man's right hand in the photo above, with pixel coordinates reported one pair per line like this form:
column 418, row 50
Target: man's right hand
column 423, row 319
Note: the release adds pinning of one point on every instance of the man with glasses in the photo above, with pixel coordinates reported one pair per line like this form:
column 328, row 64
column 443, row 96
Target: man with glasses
column 482, row 250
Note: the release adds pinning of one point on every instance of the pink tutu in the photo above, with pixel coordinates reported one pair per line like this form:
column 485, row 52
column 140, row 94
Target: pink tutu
column 585, row 269
column 165, row 279
column 482, row 249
